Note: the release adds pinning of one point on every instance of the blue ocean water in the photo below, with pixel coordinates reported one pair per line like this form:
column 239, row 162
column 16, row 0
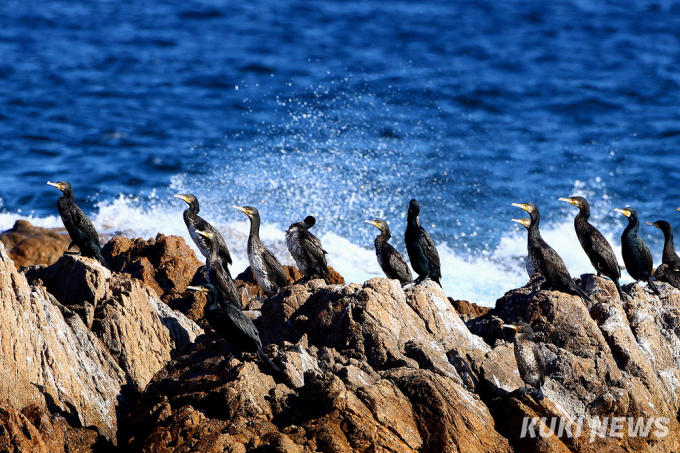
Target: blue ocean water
column 346, row 110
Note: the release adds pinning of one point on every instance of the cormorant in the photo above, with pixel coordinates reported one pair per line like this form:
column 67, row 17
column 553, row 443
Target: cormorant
column 636, row 255
column 217, row 274
column 78, row 225
column 597, row 248
column 195, row 222
column 232, row 324
column 306, row 250
column 530, row 361
column 390, row 260
column 550, row 264
column 669, row 258
column 420, row 247
column 531, row 263
column 266, row 268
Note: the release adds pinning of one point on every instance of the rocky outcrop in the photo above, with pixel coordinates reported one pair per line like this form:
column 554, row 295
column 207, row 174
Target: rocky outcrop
column 95, row 361
column 72, row 375
column 364, row 368
column 611, row 360
column 27, row 244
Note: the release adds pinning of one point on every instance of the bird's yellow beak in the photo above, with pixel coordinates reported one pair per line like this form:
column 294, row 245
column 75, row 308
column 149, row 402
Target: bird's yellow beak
column 182, row 197
column 243, row 210
column 510, row 326
column 568, row 200
column 522, row 221
column 623, row 211
column 375, row 224
column 55, row 184
column 202, row 289
column 653, row 224
column 521, row 206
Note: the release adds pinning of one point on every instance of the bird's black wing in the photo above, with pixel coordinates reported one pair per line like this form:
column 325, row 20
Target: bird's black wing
column 277, row 269
column 313, row 247
column 427, row 245
column 549, row 258
column 77, row 218
column 397, row 264
column 540, row 362
column 603, row 257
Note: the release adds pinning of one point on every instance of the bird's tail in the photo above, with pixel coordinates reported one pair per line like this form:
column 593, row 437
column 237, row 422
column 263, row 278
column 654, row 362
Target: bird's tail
column 267, row 361
column 438, row 279
column 101, row 259
column 653, row 286
column 618, row 288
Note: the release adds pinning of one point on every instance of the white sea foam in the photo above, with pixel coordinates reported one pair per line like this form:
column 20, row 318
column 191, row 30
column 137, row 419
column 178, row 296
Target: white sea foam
column 481, row 278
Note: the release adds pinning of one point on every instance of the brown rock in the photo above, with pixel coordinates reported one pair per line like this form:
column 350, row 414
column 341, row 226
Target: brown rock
column 76, row 281
column 127, row 306
column 52, row 365
column 606, row 360
column 329, row 396
column 165, row 264
column 468, row 310
column 48, row 357
column 29, row 245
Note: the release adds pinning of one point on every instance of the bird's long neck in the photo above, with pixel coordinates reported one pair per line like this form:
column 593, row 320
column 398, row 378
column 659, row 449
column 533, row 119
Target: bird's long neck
column 413, row 221
column 254, row 230
column 633, row 226
column 68, row 195
column 523, row 337
column 583, row 214
column 193, row 206
column 668, row 247
column 212, row 302
column 382, row 238
column 384, row 235
column 534, row 232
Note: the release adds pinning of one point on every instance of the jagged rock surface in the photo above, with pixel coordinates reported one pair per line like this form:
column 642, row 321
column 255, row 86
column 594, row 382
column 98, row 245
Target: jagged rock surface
column 52, row 361
column 364, row 368
column 372, row 367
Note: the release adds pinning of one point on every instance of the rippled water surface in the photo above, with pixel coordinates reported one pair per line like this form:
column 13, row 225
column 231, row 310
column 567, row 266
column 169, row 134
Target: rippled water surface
column 346, row 110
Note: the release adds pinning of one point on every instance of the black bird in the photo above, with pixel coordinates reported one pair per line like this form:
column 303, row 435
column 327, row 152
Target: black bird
column 636, row 255
column 232, row 324
column 550, row 264
column 670, row 262
column 597, row 248
column 420, row 247
column 531, row 263
column 530, row 361
column 390, row 260
column 306, row 250
column 78, row 225
column 217, row 274
column 266, row 268
column 195, row 222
